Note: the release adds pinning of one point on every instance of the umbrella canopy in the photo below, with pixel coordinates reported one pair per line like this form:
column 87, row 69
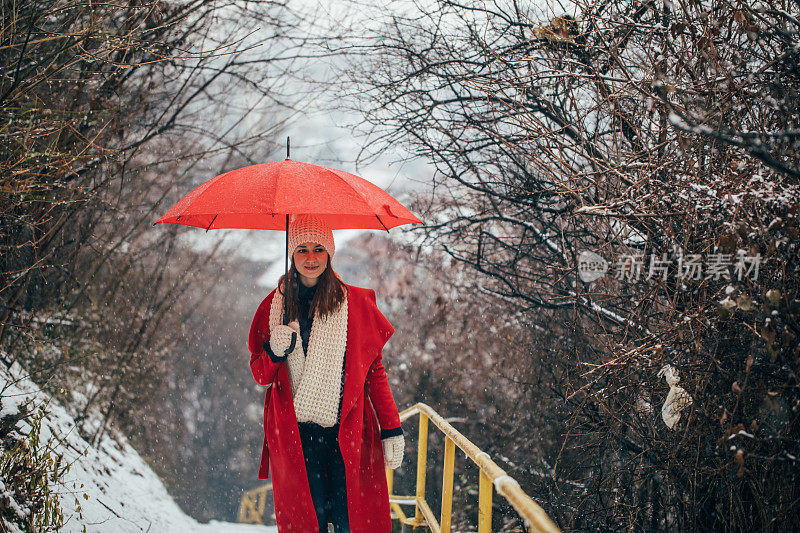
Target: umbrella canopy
column 260, row 197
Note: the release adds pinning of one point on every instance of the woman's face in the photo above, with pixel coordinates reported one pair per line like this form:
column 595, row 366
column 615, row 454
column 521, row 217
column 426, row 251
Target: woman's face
column 310, row 260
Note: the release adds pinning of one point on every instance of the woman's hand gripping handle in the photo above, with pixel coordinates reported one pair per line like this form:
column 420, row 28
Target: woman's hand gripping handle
column 282, row 342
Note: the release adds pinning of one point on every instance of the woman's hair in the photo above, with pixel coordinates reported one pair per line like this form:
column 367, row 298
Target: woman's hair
column 330, row 294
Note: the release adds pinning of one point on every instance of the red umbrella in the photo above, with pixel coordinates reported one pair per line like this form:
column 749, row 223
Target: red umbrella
column 263, row 196
column 260, row 197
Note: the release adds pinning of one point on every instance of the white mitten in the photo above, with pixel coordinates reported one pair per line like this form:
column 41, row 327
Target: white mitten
column 281, row 338
column 393, row 448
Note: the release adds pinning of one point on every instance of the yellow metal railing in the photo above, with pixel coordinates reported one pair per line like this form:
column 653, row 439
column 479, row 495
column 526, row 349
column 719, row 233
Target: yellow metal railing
column 252, row 505
column 491, row 477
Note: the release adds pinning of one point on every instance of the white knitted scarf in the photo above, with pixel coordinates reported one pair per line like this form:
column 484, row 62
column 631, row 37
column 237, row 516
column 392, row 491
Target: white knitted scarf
column 316, row 378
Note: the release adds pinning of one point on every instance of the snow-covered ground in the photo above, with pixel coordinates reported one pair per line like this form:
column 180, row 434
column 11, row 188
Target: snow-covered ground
column 115, row 488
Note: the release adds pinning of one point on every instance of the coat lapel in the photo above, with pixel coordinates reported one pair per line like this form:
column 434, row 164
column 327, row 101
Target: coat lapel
column 367, row 332
column 355, row 371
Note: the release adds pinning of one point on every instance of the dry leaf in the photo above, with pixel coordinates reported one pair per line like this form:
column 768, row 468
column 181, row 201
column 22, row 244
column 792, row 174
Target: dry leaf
column 740, row 462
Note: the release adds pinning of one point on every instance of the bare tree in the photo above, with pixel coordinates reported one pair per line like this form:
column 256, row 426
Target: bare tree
column 661, row 136
column 109, row 113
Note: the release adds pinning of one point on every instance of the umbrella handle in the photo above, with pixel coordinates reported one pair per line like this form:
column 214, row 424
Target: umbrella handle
column 286, row 263
column 290, row 349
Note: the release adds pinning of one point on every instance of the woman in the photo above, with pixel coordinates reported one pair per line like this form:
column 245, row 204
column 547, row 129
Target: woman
column 327, row 384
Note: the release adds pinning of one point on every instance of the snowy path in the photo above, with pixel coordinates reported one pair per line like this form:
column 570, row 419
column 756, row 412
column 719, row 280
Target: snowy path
column 109, row 489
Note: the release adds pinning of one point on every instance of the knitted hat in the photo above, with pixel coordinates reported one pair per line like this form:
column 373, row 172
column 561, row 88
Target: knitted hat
column 308, row 228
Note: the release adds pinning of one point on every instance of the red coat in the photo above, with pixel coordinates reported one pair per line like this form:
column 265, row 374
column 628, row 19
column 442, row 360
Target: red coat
column 366, row 393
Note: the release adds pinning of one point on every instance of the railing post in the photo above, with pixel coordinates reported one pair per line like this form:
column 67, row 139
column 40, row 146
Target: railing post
column 422, row 458
column 447, row 484
column 262, row 502
column 484, row 503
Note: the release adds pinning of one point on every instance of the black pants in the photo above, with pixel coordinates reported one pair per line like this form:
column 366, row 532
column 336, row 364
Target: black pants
column 326, row 479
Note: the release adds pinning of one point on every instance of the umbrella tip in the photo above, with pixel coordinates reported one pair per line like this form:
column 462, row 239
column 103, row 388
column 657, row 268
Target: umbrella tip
column 287, row 147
